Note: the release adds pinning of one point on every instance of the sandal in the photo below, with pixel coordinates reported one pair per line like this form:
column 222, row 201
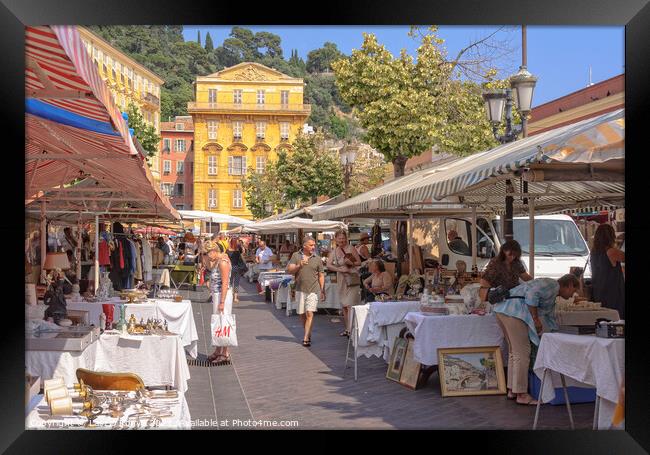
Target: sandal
column 222, row 360
column 212, row 357
column 511, row 396
column 345, row 333
column 530, row 402
column 306, row 343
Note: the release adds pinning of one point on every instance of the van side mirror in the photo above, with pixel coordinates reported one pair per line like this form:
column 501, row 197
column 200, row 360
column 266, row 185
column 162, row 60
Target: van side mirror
column 445, row 260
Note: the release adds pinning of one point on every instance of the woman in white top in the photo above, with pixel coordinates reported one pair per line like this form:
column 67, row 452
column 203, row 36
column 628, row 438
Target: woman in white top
column 345, row 260
column 217, row 262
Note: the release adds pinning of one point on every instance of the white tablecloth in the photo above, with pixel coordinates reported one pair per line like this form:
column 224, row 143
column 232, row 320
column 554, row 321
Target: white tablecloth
column 586, row 361
column 39, row 418
column 158, row 360
column 179, row 316
column 385, row 322
column 364, row 347
column 585, row 317
column 452, row 331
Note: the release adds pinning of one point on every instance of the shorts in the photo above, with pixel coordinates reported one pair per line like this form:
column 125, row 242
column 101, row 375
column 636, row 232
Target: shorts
column 306, row 302
column 227, row 307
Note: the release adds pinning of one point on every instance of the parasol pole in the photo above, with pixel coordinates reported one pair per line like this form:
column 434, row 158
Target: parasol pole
column 78, row 268
column 96, row 277
column 43, row 240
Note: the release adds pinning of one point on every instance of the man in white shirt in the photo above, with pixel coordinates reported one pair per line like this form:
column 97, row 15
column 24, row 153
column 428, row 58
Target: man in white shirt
column 263, row 260
column 263, row 257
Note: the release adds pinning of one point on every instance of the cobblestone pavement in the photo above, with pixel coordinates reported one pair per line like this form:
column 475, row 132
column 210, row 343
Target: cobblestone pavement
column 275, row 378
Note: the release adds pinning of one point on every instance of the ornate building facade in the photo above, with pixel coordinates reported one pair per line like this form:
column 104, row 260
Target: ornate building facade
column 176, row 161
column 128, row 81
column 243, row 116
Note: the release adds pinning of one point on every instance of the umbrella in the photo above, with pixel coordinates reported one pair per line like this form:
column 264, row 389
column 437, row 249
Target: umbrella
column 154, row 230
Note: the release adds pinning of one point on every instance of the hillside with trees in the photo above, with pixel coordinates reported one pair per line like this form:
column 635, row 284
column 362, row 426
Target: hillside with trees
column 163, row 50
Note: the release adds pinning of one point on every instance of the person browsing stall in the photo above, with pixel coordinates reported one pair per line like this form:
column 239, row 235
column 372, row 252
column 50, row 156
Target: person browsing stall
column 310, row 278
column 344, row 260
column 380, row 282
column 263, row 256
column 522, row 317
column 606, row 271
column 506, row 269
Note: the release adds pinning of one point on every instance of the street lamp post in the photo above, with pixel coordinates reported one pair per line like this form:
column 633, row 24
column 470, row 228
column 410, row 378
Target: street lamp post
column 348, row 155
column 496, row 101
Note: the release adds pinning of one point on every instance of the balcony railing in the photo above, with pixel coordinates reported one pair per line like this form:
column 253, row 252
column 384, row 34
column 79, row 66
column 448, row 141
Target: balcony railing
column 249, row 107
column 150, row 98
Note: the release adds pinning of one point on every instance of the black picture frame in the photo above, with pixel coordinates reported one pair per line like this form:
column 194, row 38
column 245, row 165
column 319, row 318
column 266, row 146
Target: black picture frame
column 633, row 14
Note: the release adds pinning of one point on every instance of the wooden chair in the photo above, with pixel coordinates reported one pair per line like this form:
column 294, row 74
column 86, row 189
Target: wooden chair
column 103, row 380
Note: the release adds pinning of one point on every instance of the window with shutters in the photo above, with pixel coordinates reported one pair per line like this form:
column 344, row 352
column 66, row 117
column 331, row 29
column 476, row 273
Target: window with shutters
column 180, row 167
column 212, row 165
column 180, row 190
column 168, row 189
column 237, row 201
column 284, row 98
column 236, row 96
column 284, row 130
column 167, row 145
column 260, row 97
column 260, row 129
column 180, row 145
column 260, row 164
column 212, row 96
column 212, row 129
column 236, row 165
column 212, row 198
column 180, row 127
column 167, row 166
column 237, row 130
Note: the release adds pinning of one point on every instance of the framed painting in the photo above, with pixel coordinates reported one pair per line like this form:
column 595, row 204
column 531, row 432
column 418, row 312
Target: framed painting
column 471, row 371
column 397, row 359
column 410, row 375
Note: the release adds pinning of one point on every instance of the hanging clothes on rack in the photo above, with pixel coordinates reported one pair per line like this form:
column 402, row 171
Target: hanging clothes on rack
column 138, row 260
column 146, row 260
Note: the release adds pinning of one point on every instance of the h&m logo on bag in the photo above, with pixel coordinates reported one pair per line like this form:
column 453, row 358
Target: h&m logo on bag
column 222, row 332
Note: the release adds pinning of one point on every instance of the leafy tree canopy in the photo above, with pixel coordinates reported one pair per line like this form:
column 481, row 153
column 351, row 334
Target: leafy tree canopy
column 145, row 133
column 320, row 60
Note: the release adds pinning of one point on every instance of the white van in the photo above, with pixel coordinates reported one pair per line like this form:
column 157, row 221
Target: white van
column 559, row 245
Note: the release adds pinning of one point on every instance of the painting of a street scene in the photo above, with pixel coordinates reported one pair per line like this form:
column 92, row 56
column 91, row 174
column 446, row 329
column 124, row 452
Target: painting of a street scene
column 471, row 371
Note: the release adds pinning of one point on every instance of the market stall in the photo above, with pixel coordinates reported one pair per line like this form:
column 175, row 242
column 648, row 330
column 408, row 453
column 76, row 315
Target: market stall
column 82, row 166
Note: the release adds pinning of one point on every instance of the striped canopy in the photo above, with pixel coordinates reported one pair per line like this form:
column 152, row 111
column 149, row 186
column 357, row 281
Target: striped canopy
column 292, row 225
column 74, row 130
column 480, row 178
column 213, row 217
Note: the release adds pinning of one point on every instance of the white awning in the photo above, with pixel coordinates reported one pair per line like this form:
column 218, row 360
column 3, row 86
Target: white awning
column 593, row 141
column 213, row 217
column 596, row 143
column 293, row 224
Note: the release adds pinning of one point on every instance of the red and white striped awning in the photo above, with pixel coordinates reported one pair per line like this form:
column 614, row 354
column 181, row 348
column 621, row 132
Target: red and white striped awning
column 73, row 127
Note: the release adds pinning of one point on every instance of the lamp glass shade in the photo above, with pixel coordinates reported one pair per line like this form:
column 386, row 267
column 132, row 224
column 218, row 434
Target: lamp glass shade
column 523, row 84
column 495, row 102
column 343, row 155
column 352, row 155
column 56, row 261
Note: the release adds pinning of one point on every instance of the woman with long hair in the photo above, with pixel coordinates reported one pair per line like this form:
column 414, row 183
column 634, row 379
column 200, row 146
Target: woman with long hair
column 506, row 269
column 344, row 260
column 606, row 271
column 216, row 261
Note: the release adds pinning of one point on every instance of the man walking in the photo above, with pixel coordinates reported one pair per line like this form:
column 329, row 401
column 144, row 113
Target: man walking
column 263, row 260
column 310, row 277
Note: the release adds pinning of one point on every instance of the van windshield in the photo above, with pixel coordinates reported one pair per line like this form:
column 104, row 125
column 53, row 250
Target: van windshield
column 552, row 238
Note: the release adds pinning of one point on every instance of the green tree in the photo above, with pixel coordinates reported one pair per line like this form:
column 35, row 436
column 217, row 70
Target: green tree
column 368, row 171
column 146, row 134
column 408, row 106
column 209, row 45
column 309, row 170
column 198, row 37
column 263, row 192
column 339, row 127
column 270, row 42
column 320, row 60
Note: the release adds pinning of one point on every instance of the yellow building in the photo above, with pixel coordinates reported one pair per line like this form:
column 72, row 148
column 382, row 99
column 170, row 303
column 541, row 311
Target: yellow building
column 128, row 81
column 243, row 115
